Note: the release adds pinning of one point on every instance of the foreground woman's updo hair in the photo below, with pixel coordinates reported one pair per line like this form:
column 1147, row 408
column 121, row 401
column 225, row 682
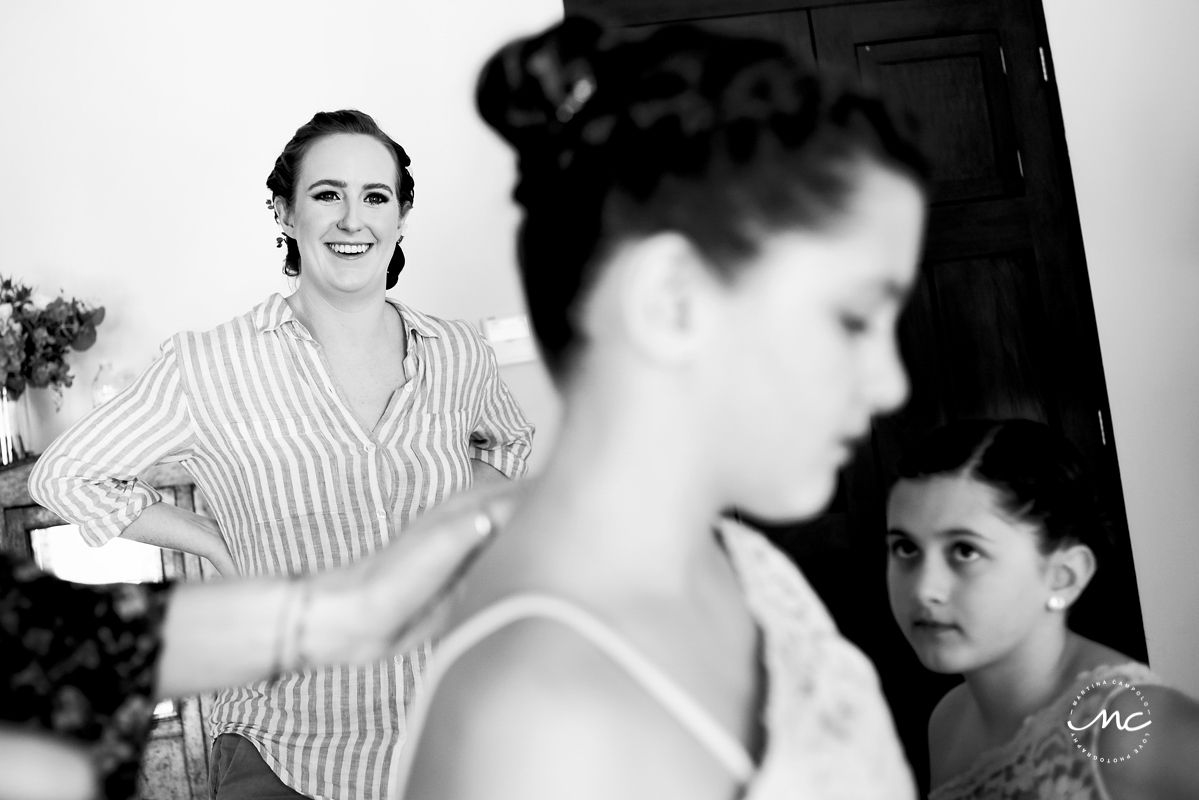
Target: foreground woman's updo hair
column 282, row 180
column 721, row 139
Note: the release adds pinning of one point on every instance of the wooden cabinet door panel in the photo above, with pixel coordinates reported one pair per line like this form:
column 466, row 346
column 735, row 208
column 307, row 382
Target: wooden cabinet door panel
column 976, row 153
column 788, row 26
column 973, row 70
column 629, row 13
column 993, row 363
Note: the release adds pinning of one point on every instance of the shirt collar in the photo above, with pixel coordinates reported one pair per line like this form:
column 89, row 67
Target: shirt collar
column 420, row 324
column 272, row 313
column 275, row 312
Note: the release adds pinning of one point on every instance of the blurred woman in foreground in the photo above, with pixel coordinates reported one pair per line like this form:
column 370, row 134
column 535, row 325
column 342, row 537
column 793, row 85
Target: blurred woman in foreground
column 716, row 245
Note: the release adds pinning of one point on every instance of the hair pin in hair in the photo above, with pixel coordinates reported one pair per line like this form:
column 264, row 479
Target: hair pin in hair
column 578, row 96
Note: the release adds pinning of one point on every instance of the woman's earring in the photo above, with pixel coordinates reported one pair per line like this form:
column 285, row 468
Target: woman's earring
column 1055, row 603
column 399, row 240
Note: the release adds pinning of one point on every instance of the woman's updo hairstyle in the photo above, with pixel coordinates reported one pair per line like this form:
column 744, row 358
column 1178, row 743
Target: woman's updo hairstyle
column 282, row 180
column 622, row 135
column 1037, row 474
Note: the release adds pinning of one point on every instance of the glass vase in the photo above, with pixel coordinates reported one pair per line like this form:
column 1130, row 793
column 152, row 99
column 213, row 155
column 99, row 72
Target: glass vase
column 14, row 427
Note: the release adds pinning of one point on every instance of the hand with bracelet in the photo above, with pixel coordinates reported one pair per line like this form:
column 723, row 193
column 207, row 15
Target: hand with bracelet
column 227, row 633
column 204, row 636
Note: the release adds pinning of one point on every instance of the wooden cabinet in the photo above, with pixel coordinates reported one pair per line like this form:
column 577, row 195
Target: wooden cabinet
column 175, row 763
column 1001, row 323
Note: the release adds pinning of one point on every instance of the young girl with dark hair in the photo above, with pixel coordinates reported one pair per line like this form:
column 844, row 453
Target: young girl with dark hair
column 716, row 244
column 994, row 535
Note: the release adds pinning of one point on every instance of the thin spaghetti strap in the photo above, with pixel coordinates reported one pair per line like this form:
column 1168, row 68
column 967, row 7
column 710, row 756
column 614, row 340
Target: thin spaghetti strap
column 689, row 713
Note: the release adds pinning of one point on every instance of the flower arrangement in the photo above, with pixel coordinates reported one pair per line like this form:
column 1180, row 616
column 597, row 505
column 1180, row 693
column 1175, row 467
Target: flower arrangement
column 34, row 338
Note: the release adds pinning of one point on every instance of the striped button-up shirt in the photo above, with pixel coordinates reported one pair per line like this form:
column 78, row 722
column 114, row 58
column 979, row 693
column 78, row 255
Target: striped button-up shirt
column 297, row 484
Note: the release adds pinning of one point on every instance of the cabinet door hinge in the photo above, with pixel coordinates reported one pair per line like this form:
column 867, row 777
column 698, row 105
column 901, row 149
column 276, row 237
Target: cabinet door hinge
column 1002, row 61
column 1020, row 162
column 1044, row 66
column 1102, row 429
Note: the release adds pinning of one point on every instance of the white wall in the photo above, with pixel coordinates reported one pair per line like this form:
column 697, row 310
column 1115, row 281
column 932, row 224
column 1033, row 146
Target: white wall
column 1126, row 73
column 137, row 136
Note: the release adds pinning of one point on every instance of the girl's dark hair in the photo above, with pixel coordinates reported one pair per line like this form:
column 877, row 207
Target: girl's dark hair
column 282, row 180
column 622, row 135
column 1036, row 472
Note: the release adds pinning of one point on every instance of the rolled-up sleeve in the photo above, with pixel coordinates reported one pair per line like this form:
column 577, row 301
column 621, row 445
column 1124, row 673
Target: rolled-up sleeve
column 89, row 475
column 502, row 438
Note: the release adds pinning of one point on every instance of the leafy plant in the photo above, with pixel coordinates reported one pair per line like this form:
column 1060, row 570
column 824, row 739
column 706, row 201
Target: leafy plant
column 34, row 339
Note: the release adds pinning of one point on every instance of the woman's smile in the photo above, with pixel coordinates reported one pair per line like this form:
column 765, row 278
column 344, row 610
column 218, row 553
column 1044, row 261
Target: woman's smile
column 349, row 250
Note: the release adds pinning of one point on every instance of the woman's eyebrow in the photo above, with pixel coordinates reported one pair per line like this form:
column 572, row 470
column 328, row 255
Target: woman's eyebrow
column 342, row 185
column 970, row 533
column 327, row 182
column 946, row 533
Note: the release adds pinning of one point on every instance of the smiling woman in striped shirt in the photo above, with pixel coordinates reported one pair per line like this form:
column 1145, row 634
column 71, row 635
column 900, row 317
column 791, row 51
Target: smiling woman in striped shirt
column 318, row 426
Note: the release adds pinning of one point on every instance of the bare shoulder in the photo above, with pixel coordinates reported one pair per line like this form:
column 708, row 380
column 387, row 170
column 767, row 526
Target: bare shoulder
column 1166, row 767
column 947, row 715
column 946, row 725
column 1090, row 655
column 537, row 711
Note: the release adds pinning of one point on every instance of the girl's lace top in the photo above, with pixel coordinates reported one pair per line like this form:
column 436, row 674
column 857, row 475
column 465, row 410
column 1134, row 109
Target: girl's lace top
column 829, row 731
column 1043, row 761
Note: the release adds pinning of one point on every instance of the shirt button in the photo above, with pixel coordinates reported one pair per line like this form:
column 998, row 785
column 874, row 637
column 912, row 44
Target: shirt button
column 381, row 514
column 370, row 448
